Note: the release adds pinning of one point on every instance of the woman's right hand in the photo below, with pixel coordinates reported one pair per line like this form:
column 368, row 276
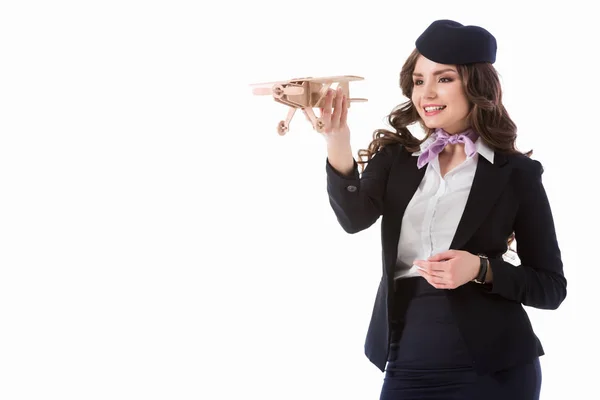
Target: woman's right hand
column 336, row 119
column 337, row 132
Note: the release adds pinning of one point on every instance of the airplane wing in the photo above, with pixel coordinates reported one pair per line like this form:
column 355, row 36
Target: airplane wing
column 324, row 79
column 332, row 79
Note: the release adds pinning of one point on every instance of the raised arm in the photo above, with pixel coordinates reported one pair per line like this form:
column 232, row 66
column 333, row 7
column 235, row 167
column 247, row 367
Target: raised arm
column 358, row 200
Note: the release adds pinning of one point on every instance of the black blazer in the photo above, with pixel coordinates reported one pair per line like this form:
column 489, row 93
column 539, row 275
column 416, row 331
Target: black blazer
column 506, row 196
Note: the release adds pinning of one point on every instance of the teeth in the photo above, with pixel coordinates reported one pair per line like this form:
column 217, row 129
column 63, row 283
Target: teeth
column 428, row 109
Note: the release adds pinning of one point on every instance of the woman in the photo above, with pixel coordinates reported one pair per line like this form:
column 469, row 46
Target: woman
column 448, row 320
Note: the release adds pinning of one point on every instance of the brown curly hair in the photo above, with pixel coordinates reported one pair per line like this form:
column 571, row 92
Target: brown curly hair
column 487, row 115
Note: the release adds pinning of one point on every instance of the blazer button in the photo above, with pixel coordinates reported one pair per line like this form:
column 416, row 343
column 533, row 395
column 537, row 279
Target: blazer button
column 351, row 188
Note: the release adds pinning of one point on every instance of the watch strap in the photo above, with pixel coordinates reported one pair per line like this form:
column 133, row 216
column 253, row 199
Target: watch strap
column 483, row 267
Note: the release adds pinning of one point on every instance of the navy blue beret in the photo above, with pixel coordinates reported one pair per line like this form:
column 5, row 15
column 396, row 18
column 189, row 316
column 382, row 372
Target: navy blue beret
column 449, row 42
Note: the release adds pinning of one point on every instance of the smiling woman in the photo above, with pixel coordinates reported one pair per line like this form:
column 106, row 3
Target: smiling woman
column 448, row 320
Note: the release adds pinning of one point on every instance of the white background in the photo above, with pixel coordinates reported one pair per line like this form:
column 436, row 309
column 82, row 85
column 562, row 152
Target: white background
column 159, row 240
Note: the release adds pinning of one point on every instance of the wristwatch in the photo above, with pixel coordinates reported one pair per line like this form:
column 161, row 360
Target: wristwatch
column 483, row 267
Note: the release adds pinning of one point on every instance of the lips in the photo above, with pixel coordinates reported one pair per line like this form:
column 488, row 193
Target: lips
column 432, row 108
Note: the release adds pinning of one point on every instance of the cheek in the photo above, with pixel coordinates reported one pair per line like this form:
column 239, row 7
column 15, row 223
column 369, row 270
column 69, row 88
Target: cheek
column 415, row 101
column 464, row 106
column 459, row 100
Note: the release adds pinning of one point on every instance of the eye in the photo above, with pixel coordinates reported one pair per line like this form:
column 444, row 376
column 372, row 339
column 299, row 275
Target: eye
column 418, row 82
column 445, row 80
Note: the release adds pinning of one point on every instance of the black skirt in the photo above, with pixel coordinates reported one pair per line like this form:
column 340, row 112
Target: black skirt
column 429, row 359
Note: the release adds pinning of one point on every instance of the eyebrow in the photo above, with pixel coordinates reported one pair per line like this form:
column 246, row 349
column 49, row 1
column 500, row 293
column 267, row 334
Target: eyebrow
column 436, row 72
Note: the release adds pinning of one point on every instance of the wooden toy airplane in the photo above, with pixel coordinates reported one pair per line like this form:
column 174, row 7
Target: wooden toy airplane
column 304, row 94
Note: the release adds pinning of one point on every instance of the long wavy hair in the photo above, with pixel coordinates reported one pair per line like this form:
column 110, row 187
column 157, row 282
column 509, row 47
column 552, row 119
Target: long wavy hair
column 487, row 114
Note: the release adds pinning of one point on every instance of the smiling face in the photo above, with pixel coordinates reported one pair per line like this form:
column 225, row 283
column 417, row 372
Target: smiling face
column 439, row 97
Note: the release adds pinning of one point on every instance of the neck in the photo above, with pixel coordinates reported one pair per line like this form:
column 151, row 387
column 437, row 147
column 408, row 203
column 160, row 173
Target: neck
column 463, row 130
column 454, row 149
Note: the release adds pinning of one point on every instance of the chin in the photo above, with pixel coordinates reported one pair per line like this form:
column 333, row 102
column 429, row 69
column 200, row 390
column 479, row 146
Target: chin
column 432, row 124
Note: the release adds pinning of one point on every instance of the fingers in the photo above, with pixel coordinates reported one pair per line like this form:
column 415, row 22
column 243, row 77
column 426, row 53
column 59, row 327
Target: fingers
column 334, row 111
column 337, row 111
column 344, row 114
column 326, row 109
column 448, row 274
column 437, row 282
column 445, row 255
column 434, row 267
column 437, row 276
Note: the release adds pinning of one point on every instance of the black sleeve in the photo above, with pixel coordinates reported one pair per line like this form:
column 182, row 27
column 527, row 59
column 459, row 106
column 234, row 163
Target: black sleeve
column 539, row 281
column 358, row 200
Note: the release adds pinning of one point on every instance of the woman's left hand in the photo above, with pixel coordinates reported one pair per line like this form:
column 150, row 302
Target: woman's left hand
column 449, row 269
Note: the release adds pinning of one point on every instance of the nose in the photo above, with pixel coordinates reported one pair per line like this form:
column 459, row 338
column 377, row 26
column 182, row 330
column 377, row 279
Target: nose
column 429, row 91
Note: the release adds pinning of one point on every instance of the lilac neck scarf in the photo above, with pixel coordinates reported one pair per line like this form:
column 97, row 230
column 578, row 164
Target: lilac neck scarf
column 467, row 137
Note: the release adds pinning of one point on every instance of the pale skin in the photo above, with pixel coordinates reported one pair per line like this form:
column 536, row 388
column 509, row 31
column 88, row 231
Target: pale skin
column 434, row 84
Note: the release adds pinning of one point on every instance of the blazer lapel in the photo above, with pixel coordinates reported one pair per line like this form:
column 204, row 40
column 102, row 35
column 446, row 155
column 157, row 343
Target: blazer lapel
column 404, row 179
column 489, row 181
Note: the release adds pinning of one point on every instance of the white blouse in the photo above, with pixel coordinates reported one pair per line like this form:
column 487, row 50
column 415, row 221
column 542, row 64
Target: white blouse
column 432, row 216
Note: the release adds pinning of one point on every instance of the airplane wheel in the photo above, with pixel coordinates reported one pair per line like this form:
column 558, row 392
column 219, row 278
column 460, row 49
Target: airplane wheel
column 282, row 128
column 278, row 91
column 320, row 125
